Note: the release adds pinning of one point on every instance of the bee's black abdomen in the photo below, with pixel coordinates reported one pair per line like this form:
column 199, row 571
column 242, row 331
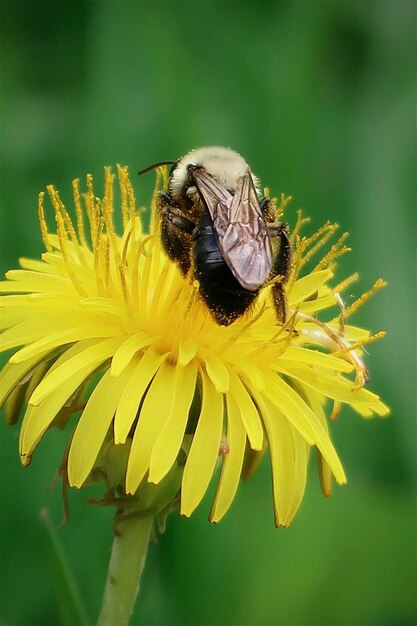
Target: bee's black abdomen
column 224, row 296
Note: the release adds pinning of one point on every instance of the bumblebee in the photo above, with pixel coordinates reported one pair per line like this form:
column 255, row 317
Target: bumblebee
column 219, row 229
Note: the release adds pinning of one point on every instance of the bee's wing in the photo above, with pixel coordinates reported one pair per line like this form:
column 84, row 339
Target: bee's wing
column 240, row 227
column 216, row 198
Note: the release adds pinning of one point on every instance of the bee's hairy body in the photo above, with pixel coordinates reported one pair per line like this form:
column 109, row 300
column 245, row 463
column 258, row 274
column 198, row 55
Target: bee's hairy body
column 231, row 258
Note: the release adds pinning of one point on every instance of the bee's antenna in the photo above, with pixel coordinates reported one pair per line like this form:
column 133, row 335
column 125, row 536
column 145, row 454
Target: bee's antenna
column 152, row 167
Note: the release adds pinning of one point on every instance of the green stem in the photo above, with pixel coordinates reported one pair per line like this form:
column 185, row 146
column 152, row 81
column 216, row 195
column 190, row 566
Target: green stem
column 126, row 565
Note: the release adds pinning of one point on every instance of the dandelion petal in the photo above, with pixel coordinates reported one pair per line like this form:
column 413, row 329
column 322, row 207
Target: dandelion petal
column 125, row 353
column 304, row 287
column 204, row 450
column 38, row 418
column 186, row 351
column 63, row 337
column 232, row 463
column 248, row 412
column 217, row 372
column 92, row 427
column 86, row 361
column 133, row 392
column 303, row 419
column 283, row 462
column 169, row 441
column 12, row 374
column 155, row 411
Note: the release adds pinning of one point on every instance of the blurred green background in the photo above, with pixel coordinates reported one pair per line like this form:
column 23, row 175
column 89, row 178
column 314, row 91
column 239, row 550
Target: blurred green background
column 320, row 99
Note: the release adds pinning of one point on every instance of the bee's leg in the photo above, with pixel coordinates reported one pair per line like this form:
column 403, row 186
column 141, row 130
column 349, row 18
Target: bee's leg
column 171, row 211
column 278, row 300
column 166, row 200
column 278, row 232
column 181, row 222
column 268, row 210
column 176, row 231
column 281, row 267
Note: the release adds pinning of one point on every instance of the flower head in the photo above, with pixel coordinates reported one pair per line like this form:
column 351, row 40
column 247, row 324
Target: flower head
column 111, row 335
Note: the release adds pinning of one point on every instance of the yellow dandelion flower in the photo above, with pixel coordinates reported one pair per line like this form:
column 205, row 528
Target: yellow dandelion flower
column 107, row 329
